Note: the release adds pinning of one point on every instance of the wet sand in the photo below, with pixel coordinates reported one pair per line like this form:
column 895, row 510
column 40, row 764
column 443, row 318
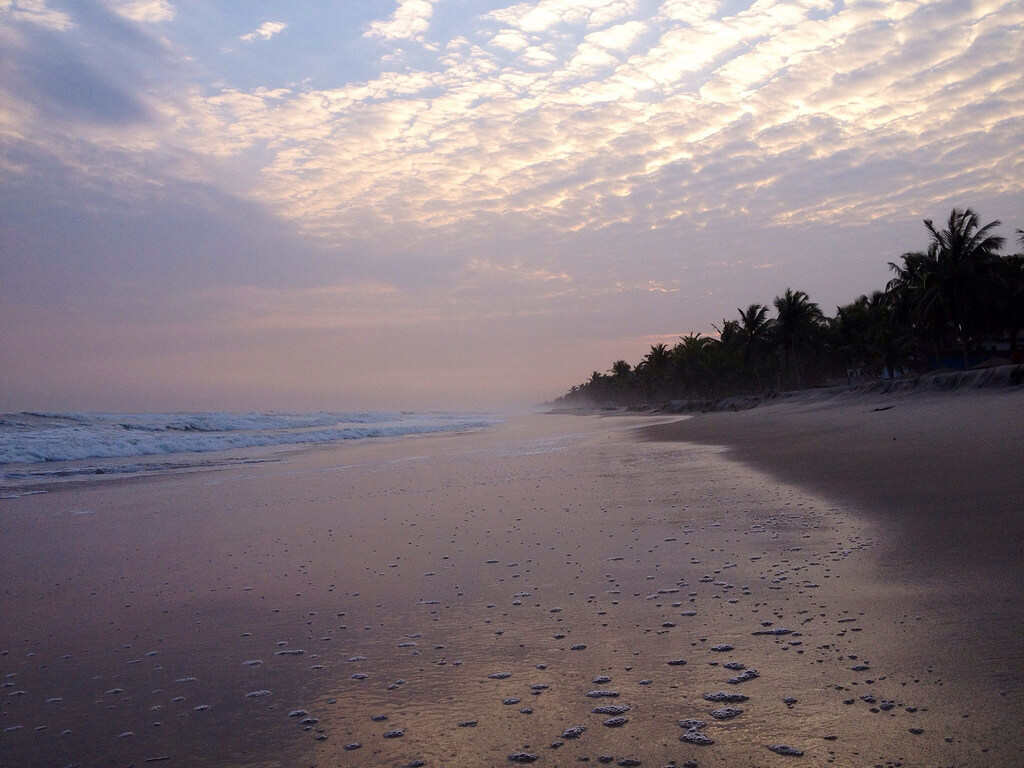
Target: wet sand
column 451, row 600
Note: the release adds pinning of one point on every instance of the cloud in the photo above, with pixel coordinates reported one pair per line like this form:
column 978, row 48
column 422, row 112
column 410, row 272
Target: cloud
column 617, row 38
column 35, row 12
column 410, row 21
column 265, row 31
column 528, row 178
column 144, row 10
column 65, row 86
column 511, row 40
column 546, row 15
column 564, row 117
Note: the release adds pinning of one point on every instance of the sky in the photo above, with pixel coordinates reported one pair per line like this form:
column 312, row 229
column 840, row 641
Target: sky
column 379, row 204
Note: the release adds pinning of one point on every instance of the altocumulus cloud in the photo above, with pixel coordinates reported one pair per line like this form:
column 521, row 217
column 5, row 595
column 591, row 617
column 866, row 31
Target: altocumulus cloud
column 586, row 113
column 410, row 21
column 265, row 31
column 144, row 10
column 562, row 116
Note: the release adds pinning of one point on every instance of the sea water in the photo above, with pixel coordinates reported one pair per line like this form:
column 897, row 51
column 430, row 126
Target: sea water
column 44, row 447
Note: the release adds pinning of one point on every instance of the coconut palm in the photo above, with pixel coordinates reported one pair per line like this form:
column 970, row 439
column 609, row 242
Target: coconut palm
column 654, row 369
column 868, row 332
column 621, row 381
column 690, row 361
column 621, row 369
column 946, row 286
column 754, row 334
column 797, row 322
column 945, row 295
column 1009, row 303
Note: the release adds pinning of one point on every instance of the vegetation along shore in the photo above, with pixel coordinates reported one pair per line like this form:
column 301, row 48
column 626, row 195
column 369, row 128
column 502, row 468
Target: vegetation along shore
column 957, row 304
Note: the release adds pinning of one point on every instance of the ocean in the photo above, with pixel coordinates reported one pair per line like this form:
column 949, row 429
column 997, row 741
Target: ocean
column 41, row 448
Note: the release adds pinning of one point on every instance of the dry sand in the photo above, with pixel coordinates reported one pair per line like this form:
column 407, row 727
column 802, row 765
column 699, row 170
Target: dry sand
column 432, row 581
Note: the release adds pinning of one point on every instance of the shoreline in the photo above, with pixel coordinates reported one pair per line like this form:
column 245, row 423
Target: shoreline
column 940, row 475
column 932, row 461
column 497, row 579
column 981, row 379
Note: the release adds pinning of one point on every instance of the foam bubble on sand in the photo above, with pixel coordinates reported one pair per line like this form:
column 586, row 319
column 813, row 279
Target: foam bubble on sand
column 523, row 757
column 695, row 736
column 783, row 749
column 726, row 713
column 749, row 674
column 723, row 697
column 599, row 694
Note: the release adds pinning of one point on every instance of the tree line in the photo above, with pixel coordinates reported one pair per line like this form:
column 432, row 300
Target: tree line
column 949, row 305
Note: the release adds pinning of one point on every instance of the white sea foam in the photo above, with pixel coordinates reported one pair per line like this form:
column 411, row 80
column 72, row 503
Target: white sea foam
column 45, row 438
column 37, row 437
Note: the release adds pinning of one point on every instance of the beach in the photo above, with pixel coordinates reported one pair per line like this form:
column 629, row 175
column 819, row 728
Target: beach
column 790, row 583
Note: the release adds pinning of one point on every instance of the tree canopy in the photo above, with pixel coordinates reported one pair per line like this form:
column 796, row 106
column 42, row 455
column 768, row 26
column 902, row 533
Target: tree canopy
column 957, row 303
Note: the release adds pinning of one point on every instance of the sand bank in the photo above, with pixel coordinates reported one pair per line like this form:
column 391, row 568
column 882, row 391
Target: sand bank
column 946, row 471
column 452, row 600
column 941, row 477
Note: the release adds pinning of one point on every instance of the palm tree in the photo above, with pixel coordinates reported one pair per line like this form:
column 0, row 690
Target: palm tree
column 654, row 368
column 690, row 361
column 869, row 332
column 621, row 369
column 946, row 286
column 797, row 322
column 1010, row 298
column 622, row 380
column 754, row 333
